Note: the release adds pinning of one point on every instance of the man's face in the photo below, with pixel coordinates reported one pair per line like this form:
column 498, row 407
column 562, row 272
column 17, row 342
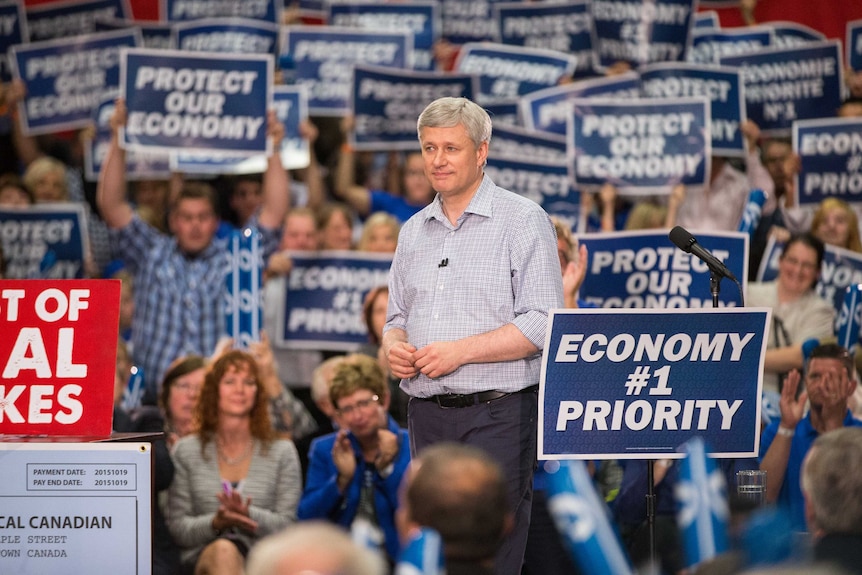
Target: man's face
column 453, row 164
column 245, row 199
column 193, row 223
column 827, row 382
column 774, row 156
column 300, row 233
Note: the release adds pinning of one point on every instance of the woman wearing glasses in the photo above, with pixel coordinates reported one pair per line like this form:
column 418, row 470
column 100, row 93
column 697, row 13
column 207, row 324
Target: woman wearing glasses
column 354, row 473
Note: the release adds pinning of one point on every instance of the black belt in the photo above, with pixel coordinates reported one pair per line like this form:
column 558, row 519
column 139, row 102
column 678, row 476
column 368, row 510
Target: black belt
column 451, row 400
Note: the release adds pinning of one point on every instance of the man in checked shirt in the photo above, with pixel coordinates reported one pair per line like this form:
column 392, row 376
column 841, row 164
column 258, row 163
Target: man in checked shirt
column 472, row 281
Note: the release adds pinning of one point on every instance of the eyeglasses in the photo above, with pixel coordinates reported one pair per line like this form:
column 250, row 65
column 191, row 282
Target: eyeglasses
column 362, row 405
column 187, row 387
column 807, row 266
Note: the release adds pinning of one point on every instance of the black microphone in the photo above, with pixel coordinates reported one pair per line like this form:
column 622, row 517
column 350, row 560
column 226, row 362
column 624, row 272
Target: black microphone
column 443, row 263
column 687, row 243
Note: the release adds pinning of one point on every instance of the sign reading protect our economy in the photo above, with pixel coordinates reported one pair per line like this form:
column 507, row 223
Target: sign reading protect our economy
column 70, row 508
column 180, row 10
column 213, row 102
column 58, row 356
column 637, row 384
column 44, row 241
column 71, row 18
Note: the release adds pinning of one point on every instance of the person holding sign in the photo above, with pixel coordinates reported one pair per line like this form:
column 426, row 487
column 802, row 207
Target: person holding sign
column 180, row 279
column 234, row 481
column 473, row 278
column 354, row 473
column 830, row 380
column 798, row 313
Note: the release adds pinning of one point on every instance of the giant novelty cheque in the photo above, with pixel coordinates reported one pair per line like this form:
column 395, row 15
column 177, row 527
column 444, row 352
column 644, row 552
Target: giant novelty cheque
column 387, row 101
column 640, row 147
column 66, row 78
column 319, row 305
column 214, row 103
column 637, row 384
column 787, row 84
column 45, row 241
column 830, row 160
column 645, row 270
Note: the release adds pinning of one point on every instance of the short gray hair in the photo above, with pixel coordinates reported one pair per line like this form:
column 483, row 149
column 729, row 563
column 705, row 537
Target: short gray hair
column 449, row 112
column 832, row 480
column 313, row 546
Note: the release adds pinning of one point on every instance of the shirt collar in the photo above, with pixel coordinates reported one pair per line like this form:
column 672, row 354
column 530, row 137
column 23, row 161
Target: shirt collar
column 480, row 204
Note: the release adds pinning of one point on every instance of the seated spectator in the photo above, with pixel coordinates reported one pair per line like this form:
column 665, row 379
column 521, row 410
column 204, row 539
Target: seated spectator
column 458, row 491
column 313, row 548
column 798, row 313
column 829, row 383
column 831, row 485
column 379, row 234
column 179, row 394
column 335, row 222
column 234, row 481
column 354, row 473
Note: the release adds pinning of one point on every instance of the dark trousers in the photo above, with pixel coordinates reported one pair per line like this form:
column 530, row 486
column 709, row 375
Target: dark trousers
column 505, row 429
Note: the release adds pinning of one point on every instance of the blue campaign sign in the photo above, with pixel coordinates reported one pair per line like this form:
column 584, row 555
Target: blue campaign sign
column 44, row 241
column 72, row 18
column 645, row 270
column 787, row 84
column 706, row 19
column 841, row 268
column 467, row 21
column 12, row 31
column 641, row 147
column 421, row 19
column 546, row 183
column 548, row 110
column 515, row 143
column 506, row 72
column 709, row 46
column 139, row 165
column 830, row 154
column 65, row 79
column 324, row 57
column 181, row 10
column 244, row 283
column 321, row 302
column 505, row 111
column 854, row 44
column 787, row 34
column 212, row 102
column 291, row 109
column 236, row 35
column 638, row 33
column 637, row 384
column 562, row 26
column 153, row 34
column 386, row 103
column 723, row 88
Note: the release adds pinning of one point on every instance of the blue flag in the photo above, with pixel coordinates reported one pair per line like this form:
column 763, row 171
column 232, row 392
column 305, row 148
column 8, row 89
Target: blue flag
column 584, row 521
column 753, row 211
column 244, row 281
column 702, row 511
column 423, row 555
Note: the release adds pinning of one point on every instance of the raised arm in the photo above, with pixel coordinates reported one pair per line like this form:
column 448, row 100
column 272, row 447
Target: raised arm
column 111, row 188
column 346, row 188
column 313, row 175
column 276, row 186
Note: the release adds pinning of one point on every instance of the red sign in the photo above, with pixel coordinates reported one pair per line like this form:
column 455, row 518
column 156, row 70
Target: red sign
column 58, row 354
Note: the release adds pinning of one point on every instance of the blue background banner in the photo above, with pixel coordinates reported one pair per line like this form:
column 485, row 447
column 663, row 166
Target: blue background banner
column 181, row 10
column 639, row 33
column 214, row 103
column 420, row 19
column 723, row 88
column 640, row 147
column 548, row 110
column 637, row 384
column 66, row 79
column 783, row 85
column 830, row 154
column 387, row 102
column 321, row 305
column 644, row 269
column 566, row 27
column 324, row 58
column 65, row 19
